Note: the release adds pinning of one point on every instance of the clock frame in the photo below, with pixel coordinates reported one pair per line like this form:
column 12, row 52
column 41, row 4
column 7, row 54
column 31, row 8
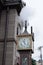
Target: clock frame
column 29, row 36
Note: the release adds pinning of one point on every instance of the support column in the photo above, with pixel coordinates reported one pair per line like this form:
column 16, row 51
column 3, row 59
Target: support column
column 5, row 39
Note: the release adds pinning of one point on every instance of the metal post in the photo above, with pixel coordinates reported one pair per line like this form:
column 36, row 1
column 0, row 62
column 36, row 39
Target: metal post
column 40, row 54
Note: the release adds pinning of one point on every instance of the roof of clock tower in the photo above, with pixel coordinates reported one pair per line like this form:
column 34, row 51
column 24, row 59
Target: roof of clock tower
column 25, row 31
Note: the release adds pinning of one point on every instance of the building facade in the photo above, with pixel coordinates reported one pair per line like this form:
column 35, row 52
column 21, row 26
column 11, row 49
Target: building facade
column 9, row 28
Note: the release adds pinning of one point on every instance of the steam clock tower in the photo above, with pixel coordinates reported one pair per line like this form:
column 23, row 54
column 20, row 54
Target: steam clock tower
column 25, row 46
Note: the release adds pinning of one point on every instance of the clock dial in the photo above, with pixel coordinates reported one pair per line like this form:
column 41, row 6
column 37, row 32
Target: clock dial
column 24, row 43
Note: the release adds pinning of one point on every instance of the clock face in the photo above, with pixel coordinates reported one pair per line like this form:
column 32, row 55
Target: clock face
column 24, row 42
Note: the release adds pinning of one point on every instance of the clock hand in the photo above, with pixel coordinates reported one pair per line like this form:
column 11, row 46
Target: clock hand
column 24, row 41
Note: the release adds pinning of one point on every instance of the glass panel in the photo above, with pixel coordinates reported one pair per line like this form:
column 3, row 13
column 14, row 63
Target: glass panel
column 24, row 61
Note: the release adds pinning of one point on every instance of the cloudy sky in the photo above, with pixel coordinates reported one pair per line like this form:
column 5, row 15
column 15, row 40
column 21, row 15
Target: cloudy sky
column 33, row 13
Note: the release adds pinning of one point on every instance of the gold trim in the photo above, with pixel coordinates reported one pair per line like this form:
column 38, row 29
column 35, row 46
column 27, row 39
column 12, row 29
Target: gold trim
column 24, row 35
column 24, row 49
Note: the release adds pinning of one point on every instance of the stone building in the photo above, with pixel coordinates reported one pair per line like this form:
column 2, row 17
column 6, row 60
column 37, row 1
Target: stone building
column 9, row 28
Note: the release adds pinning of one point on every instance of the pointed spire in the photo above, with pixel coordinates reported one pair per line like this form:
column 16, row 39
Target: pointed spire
column 32, row 33
column 31, row 30
column 25, row 25
column 25, row 31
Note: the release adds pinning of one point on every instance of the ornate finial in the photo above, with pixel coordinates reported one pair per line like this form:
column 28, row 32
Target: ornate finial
column 25, row 25
column 31, row 30
column 32, row 33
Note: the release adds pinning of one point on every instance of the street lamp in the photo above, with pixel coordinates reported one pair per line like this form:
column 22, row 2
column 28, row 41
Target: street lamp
column 40, row 53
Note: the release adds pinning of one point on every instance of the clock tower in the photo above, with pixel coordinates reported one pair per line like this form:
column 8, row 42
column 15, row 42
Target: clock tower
column 25, row 46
